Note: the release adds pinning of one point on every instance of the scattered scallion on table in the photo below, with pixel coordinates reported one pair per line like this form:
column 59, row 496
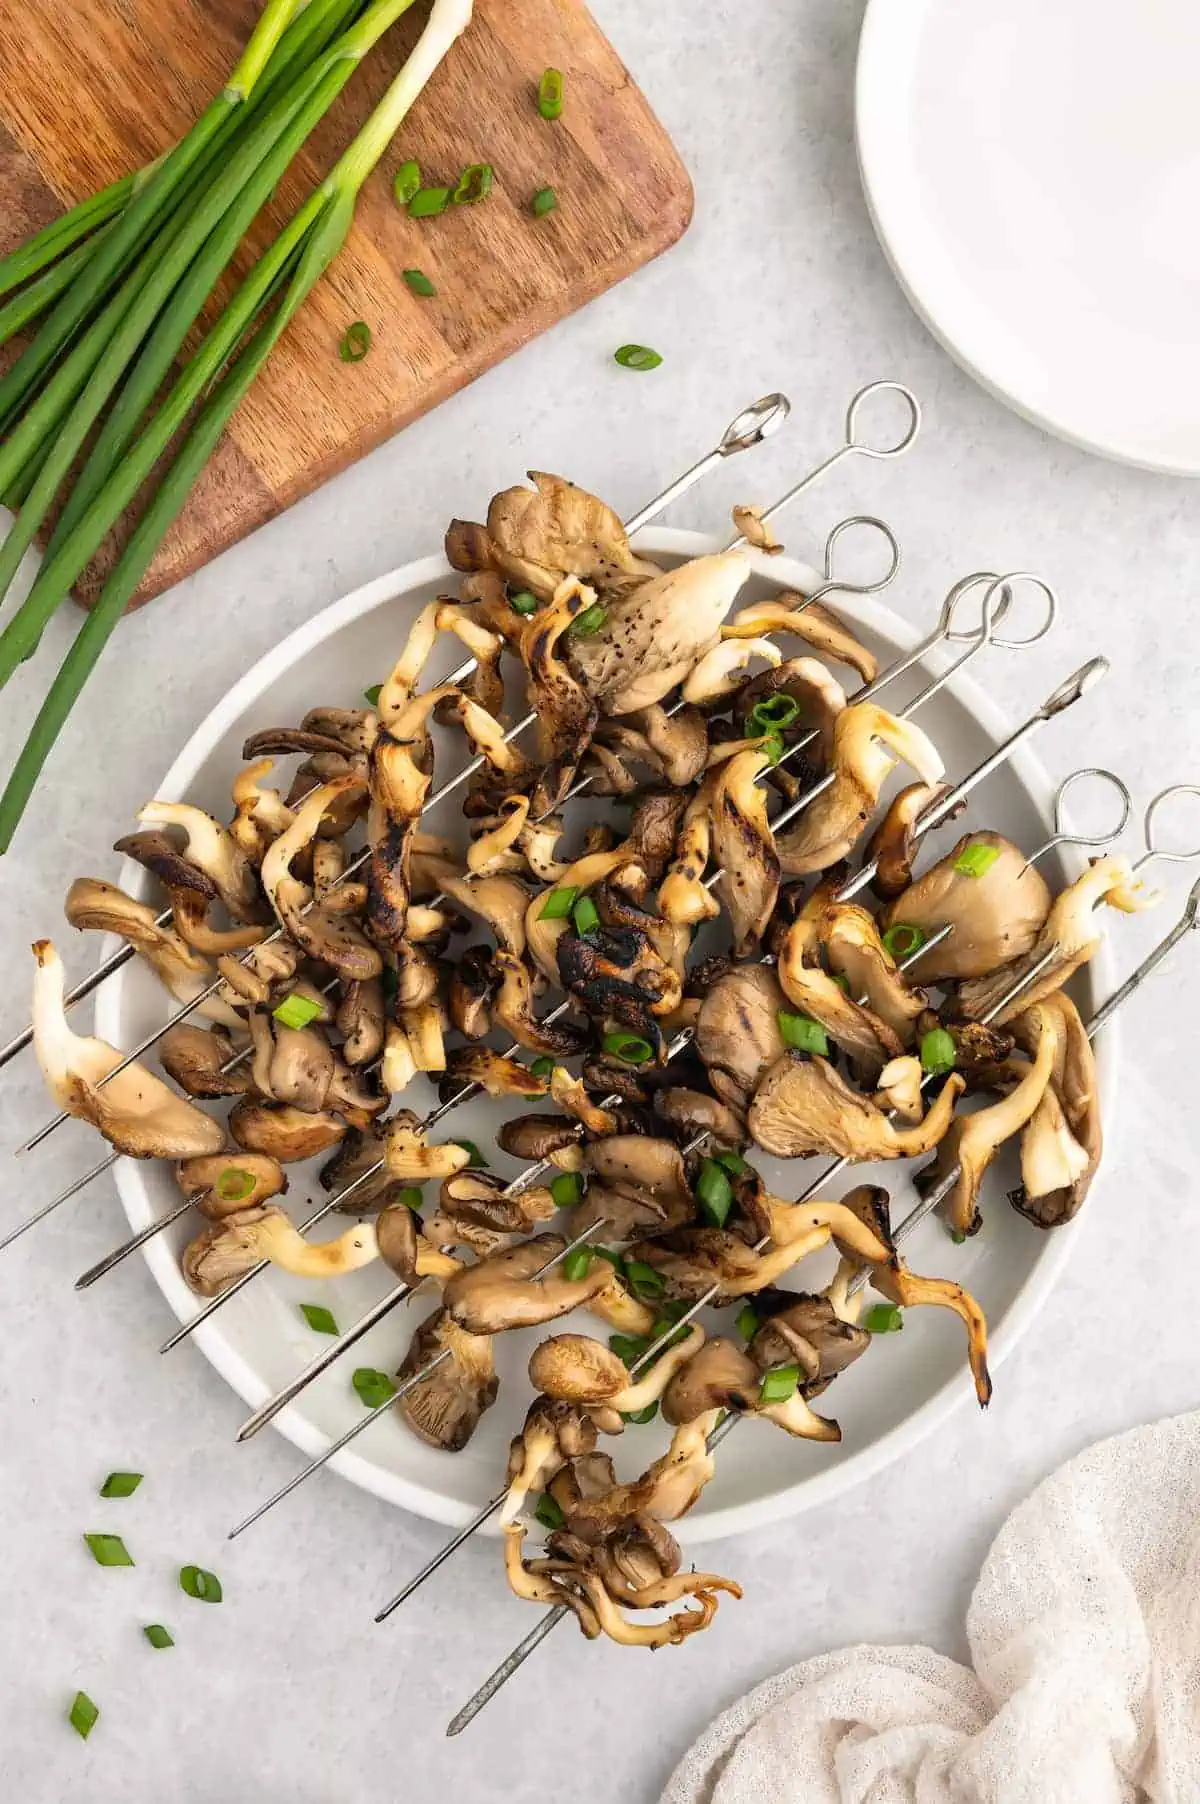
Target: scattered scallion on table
column 319, row 1319
column 120, row 1484
column 109, row 1550
column 157, row 1636
column 355, row 342
column 637, row 357
column 420, row 284
column 473, row 185
column 198, row 1583
column 551, row 91
column 543, row 202
column 374, row 1388
column 427, row 203
column 83, row 1714
column 406, row 182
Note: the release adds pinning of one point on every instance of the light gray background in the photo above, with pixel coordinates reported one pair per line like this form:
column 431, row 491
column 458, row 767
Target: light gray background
column 287, row 1694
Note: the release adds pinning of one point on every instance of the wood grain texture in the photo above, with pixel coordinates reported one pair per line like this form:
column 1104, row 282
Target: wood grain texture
column 95, row 88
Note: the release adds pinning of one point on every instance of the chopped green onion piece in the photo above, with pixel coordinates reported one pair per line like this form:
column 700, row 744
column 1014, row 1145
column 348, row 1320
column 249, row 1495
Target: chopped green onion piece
column 976, row 861
column 802, row 1032
column 772, row 747
column 577, row 1264
column 746, row 1322
column 474, row 184
column 733, row 1163
column 714, row 1192
column 411, row 1198
column 200, row 1584
column 883, row 1318
column 319, row 1319
column 628, row 1347
column 371, row 696
column 83, row 1715
column 779, row 1384
column 426, row 203
column 666, row 1326
column 543, row 1067
column 638, row 1416
column 903, row 939
column 550, row 94
column 566, row 1189
column 613, row 1257
column 938, row 1051
column 590, row 621
column 772, row 713
column 637, row 357
column 157, row 1636
column 234, row 1184
column 558, row 904
column 420, row 284
column 109, row 1550
column 958, row 1237
column 631, row 1049
column 548, row 1513
column 543, row 202
column 585, row 916
column 374, row 1388
column 120, row 1484
column 523, row 602
column 842, row 982
column 406, row 183
column 356, row 342
column 644, row 1277
column 476, row 1160
column 298, row 1011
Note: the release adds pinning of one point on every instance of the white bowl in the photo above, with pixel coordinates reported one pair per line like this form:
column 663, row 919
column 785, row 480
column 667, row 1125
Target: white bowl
column 902, row 1390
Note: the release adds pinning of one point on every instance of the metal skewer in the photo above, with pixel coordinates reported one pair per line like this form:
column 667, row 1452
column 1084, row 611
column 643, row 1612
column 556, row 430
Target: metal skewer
column 1188, row 921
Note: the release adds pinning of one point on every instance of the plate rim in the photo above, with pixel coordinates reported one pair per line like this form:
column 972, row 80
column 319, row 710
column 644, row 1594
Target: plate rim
column 392, row 1487
column 872, row 77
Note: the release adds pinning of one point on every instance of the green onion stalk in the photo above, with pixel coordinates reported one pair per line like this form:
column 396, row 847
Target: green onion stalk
column 216, row 378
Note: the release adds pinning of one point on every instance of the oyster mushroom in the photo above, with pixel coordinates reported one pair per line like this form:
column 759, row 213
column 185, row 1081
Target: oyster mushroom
column 737, row 1031
column 577, row 1369
column 566, row 714
column 867, row 742
column 261, row 814
column 211, row 846
column 535, row 537
column 196, row 1058
column 617, row 975
column 553, row 1433
column 893, row 845
column 666, row 1490
column 480, row 1212
column 159, row 854
column 744, row 848
column 803, row 1106
column 718, row 673
column 513, row 1010
column 807, row 1330
column 503, row 1292
column 444, row 1410
column 673, row 746
column 996, row 917
column 134, row 1110
column 537, row 1137
column 638, row 1183
column 651, row 637
column 683, row 897
column 817, row 693
column 851, row 941
column 493, row 1072
column 93, row 906
column 490, row 848
column 500, row 900
column 227, row 1249
column 693, row 1261
column 472, row 987
column 360, row 1020
column 410, row 1157
column 323, row 934
column 223, row 1184
column 694, row 1112
column 359, row 1152
column 283, row 1132
column 869, row 1040
column 811, row 621
column 1064, row 1138
column 720, row 1376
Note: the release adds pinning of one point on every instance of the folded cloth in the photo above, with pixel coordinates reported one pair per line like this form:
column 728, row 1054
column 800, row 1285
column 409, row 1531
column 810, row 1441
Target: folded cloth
column 1084, row 1630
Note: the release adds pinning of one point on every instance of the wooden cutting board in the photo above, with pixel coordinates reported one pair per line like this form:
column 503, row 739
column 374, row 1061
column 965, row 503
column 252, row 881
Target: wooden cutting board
column 91, row 89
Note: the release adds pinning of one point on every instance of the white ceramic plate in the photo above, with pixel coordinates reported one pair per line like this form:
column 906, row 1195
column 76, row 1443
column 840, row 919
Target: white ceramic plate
column 904, row 1388
column 1032, row 172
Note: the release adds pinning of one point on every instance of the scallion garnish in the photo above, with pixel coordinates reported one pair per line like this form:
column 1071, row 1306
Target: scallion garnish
column 523, row 602
column 637, row 357
column 371, row 696
column 298, row 1011
column 319, row 1319
column 714, row 1192
column 577, row 1264
column 542, row 1067
column 772, row 714
column 558, row 904
column 902, row 939
column 406, row 182
column 772, row 747
column 410, row 1197
column 589, row 622
column 420, row 284
column 83, row 1714
column 779, row 1384
column 733, row 1163
column 802, row 1032
column 842, row 982
column 157, row 1636
column 566, row 1189
column 585, row 916
column 109, row 1550
column 614, row 1258
column 550, row 94
column 631, row 1049
column 548, row 1513
column 938, row 1051
column 198, row 1583
column 883, row 1318
column 628, row 1347
column 234, row 1184
column 746, row 1322
column 644, row 1278
column 356, row 342
column 374, row 1388
column 120, row 1484
column 543, row 202
column 474, row 184
column 976, row 861
column 426, row 203
column 638, row 1416
column 476, row 1160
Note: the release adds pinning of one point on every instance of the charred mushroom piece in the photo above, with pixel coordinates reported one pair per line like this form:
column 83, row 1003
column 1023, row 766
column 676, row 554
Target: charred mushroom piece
column 96, row 907
column 893, row 845
column 553, row 1433
column 869, row 1040
column 818, row 695
column 851, row 941
column 996, row 917
column 197, row 1058
column 480, row 1212
column 535, row 537
column 566, row 714
column 738, row 1028
column 223, row 1184
column 210, row 845
column 134, row 1110
column 471, row 990
column 693, row 1112
column 1064, row 1138
column 803, row 1106
column 693, row 1261
column 503, row 1291
column 806, row 1330
column 359, row 1153
column 360, row 1021
column 720, row 1376
column 867, row 742
column 325, row 935
column 226, row 1249
column 537, row 1137
column 514, row 1011
column 445, row 1408
column 745, row 849
column 498, row 1075
column 811, row 621
column 159, row 854
column 283, row 1132
column 617, row 975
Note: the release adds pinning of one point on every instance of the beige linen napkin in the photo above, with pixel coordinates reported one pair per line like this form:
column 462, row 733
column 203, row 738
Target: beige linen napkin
column 1085, row 1635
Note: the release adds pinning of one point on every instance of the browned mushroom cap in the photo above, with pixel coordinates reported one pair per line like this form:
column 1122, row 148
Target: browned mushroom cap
column 819, row 696
column 210, row 845
column 283, row 1132
column 158, row 853
column 638, row 1182
column 694, row 1260
column 804, row 1106
column 223, row 1184
column 1062, row 1144
column 851, row 940
column 503, row 1292
column 300, row 1068
column 995, row 917
column 553, row 1434
column 325, row 935
column 471, row 989
column 694, row 1112
column 893, row 845
column 535, row 1137
column 566, row 713
column 194, row 1057
column 720, row 1376
column 97, row 907
column 666, row 1490
column 398, row 1240
column 513, row 1010
column 805, row 1330
column 353, row 729
column 226, row 1249
column 579, row 1369
column 744, row 848
column 535, row 537
column 282, row 742
column 360, row 1152
column 444, row 1410
column 867, row 741
column 479, row 1211
column 673, row 747
column 360, row 1021
column 869, row 1040
column 498, row 1075
column 738, row 1028
column 811, row 621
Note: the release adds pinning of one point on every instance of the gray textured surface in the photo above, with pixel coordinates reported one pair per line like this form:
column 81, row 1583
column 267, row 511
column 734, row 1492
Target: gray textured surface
column 286, row 1692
